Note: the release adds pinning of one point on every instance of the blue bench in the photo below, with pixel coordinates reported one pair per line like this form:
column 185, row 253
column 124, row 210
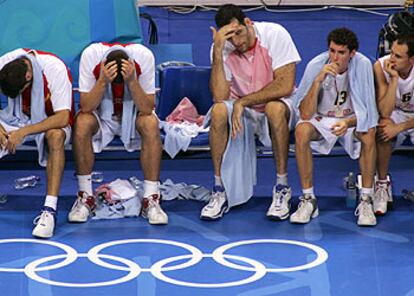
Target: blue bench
column 191, row 82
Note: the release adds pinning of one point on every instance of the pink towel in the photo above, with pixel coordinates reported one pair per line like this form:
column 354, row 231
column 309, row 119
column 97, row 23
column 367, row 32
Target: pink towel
column 185, row 112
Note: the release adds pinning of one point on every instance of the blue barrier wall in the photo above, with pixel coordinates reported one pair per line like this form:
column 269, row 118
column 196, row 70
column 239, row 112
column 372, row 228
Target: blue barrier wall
column 308, row 29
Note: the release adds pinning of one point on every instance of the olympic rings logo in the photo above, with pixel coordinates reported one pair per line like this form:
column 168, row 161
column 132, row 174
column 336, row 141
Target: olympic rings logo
column 158, row 269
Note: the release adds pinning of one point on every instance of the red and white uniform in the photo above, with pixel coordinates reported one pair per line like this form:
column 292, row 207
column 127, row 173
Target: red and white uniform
column 251, row 71
column 89, row 71
column 56, row 77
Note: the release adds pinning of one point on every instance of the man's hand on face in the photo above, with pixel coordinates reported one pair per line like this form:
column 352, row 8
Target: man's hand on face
column 328, row 69
column 223, row 34
column 389, row 67
column 128, row 70
column 108, row 71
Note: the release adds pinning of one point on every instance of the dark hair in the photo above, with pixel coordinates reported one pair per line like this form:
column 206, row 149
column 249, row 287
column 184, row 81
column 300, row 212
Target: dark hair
column 344, row 36
column 227, row 13
column 13, row 77
column 407, row 39
column 118, row 56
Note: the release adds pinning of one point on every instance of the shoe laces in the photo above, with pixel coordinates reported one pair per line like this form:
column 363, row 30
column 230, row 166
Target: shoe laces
column 154, row 203
column 279, row 197
column 215, row 199
column 40, row 219
column 364, row 208
column 381, row 193
column 304, row 201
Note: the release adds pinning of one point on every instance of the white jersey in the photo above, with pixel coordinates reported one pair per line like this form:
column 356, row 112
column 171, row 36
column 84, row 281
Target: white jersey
column 58, row 82
column 336, row 101
column 92, row 57
column 252, row 70
column 404, row 96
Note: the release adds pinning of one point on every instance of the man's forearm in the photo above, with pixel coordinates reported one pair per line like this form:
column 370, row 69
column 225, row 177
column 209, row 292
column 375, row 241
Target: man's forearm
column 309, row 104
column 218, row 83
column 144, row 104
column 282, row 86
column 59, row 120
column 91, row 100
column 409, row 124
column 386, row 104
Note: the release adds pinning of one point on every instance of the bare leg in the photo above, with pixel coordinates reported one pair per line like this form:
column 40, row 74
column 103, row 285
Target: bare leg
column 86, row 126
column 219, row 135
column 151, row 149
column 384, row 152
column 368, row 157
column 55, row 139
column 304, row 134
column 278, row 117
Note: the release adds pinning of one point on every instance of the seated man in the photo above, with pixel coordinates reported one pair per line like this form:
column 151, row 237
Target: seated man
column 394, row 78
column 39, row 90
column 117, row 86
column 336, row 100
column 252, row 75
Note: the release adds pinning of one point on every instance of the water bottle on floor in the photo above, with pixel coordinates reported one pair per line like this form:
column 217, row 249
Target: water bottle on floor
column 352, row 191
column 408, row 195
column 97, row 177
column 3, row 198
column 25, row 182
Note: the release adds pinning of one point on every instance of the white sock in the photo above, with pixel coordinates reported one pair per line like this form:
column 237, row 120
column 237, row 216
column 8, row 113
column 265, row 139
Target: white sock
column 367, row 191
column 85, row 184
column 217, row 181
column 150, row 188
column 282, row 179
column 51, row 201
column 308, row 191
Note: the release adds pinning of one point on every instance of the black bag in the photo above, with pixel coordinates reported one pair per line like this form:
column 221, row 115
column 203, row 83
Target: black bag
column 398, row 23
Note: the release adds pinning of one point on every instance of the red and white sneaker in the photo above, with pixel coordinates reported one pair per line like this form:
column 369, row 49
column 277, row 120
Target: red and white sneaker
column 382, row 197
column 83, row 208
column 152, row 210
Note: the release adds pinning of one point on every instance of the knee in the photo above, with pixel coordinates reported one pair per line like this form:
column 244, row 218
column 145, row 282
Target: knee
column 147, row 125
column 55, row 139
column 85, row 123
column 368, row 138
column 277, row 111
column 218, row 115
column 303, row 134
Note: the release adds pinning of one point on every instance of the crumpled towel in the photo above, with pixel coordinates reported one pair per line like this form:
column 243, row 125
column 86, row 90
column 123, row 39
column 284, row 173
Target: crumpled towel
column 185, row 112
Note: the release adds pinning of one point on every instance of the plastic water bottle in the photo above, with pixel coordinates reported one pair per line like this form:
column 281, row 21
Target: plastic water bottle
column 25, row 182
column 135, row 182
column 408, row 195
column 97, row 177
column 3, row 198
column 329, row 82
column 352, row 191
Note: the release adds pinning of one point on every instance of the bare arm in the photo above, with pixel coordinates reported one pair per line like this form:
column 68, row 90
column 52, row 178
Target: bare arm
column 309, row 104
column 281, row 86
column 91, row 100
column 58, row 120
column 220, row 87
column 385, row 91
column 144, row 102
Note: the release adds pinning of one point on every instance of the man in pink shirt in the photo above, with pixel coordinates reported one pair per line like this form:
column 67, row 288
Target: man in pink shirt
column 253, row 74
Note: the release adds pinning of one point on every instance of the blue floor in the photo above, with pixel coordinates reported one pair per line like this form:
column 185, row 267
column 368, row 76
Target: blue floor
column 255, row 256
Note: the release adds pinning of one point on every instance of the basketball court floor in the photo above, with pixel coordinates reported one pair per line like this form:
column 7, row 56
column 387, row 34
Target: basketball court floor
column 242, row 254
